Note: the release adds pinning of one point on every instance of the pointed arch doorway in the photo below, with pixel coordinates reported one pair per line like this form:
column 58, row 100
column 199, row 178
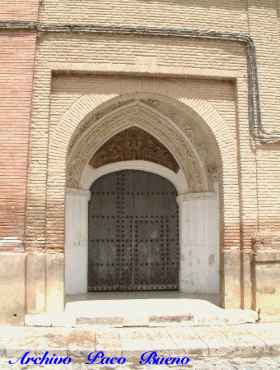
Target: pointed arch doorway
column 142, row 148
column 133, row 233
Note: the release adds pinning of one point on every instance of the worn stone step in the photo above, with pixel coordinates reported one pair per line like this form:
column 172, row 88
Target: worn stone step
column 231, row 317
column 147, row 312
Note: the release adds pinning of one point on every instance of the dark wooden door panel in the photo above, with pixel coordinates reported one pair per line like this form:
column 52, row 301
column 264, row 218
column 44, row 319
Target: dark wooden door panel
column 133, row 233
column 149, row 253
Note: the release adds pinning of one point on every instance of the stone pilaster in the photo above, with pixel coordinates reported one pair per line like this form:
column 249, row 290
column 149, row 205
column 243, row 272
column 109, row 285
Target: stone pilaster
column 76, row 241
column 199, row 241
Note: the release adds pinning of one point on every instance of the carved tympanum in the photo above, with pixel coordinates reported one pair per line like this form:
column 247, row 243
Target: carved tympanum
column 134, row 144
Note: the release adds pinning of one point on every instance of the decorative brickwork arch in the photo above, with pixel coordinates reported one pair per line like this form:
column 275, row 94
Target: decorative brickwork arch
column 137, row 114
column 82, row 130
column 191, row 130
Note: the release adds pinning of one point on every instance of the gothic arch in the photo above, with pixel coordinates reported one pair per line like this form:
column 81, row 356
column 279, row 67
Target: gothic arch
column 91, row 121
column 88, row 108
column 137, row 114
column 181, row 130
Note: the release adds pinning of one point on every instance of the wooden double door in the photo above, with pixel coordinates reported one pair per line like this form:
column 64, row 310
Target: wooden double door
column 133, row 233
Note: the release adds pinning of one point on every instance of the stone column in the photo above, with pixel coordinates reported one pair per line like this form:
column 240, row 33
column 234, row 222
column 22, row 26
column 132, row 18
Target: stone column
column 199, row 243
column 76, row 241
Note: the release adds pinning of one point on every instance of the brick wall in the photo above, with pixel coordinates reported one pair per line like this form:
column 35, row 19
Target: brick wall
column 16, row 74
column 258, row 18
column 220, row 15
column 267, row 43
column 19, row 10
column 16, row 71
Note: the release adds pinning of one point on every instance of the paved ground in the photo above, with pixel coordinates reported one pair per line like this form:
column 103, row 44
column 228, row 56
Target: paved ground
column 206, row 346
column 265, row 363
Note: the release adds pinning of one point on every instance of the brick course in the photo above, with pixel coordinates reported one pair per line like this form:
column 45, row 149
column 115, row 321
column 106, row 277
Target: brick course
column 19, row 10
column 16, row 74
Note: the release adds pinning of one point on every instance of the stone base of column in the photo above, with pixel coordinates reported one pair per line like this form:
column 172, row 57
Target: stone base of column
column 45, row 282
column 12, row 288
column 231, row 290
column 266, row 273
column 35, row 282
column 55, row 282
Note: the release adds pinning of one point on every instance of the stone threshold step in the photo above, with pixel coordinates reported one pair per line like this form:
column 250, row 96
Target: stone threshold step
column 221, row 317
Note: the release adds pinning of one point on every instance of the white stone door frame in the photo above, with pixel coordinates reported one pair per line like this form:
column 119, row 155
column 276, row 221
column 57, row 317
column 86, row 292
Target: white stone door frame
column 90, row 174
column 198, row 228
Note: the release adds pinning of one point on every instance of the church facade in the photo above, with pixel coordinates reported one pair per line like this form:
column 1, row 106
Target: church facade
column 140, row 151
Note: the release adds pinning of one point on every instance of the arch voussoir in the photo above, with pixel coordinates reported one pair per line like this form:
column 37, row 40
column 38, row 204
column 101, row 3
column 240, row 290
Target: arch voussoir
column 142, row 116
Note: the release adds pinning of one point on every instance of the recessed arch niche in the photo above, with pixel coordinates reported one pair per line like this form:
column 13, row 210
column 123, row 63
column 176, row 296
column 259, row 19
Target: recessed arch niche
column 191, row 162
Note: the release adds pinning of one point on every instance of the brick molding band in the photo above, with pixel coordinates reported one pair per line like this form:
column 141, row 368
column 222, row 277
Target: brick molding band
column 255, row 119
